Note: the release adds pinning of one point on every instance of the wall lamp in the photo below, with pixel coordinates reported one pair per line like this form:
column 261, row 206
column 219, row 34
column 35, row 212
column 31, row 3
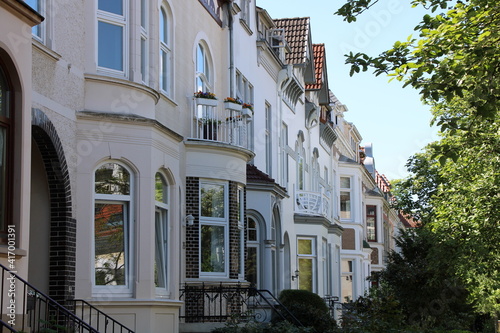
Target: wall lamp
column 296, row 276
column 189, row 219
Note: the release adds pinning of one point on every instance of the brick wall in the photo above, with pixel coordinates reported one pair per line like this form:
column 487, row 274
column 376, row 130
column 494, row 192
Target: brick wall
column 349, row 239
column 192, row 250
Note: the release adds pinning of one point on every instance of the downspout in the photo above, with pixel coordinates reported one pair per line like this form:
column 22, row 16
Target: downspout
column 231, row 49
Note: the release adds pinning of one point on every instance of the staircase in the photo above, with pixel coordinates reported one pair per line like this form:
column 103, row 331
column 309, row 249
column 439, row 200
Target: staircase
column 23, row 308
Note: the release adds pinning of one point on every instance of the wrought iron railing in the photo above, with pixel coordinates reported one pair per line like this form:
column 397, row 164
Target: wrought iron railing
column 96, row 318
column 214, row 122
column 219, row 303
column 4, row 327
column 28, row 309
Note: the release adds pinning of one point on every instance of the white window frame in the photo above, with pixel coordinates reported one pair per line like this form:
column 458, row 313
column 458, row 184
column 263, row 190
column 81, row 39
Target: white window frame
column 313, row 257
column 284, row 155
column 255, row 244
column 39, row 31
column 144, row 45
column 268, row 140
column 165, row 83
column 350, row 192
column 123, row 22
column 127, row 289
column 348, row 275
column 163, row 208
column 205, row 76
column 217, row 222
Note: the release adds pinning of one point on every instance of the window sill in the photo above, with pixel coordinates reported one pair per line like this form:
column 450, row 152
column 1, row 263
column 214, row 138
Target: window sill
column 45, row 50
column 166, row 97
column 4, row 251
column 246, row 27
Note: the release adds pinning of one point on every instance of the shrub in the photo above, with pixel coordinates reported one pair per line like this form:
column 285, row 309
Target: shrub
column 308, row 308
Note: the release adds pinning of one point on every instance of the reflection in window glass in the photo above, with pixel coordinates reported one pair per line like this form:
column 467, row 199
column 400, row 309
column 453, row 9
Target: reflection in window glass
column 161, row 232
column 111, row 6
column 212, row 249
column 212, row 200
column 110, row 45
column 109, row 240
column 112, row 178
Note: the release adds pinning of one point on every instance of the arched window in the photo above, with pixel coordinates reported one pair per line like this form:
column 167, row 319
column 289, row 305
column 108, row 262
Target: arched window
column 203, row 69
column 165, row 51
column 5, row 153
column 112, row 226
column 161, row 233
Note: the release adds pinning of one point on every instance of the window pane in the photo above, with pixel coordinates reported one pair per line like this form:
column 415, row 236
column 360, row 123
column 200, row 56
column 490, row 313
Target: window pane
column 161, row 190
column 306, row 274
column 109, row 240
column 212, row 249
column 143, row 13
column 110, row 46
column 212, row 200
column 112, row 178
column 345, row 182
column 305, row 246
column 163, row 70
column 251, row 266
column 163, row 27
column 200, row 61
column 160, row 248
column 345, row 205
column 144, row 58
column 112, row 6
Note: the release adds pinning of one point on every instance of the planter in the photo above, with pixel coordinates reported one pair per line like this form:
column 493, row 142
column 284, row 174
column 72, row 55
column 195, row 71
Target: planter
column 247, row 112
column 232, row 106
column 206, row 101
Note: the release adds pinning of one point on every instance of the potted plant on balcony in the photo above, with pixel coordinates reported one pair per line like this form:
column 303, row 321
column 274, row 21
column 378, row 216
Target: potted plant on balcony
column 247, row 110
column 233, row 103
column 205, row 98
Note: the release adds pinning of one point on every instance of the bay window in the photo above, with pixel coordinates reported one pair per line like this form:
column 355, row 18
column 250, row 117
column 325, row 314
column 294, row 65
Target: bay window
column 112, row 225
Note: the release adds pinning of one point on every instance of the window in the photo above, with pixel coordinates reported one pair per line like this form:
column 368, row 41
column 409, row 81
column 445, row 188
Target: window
column 325, row 264
column 6, row 127
column 284, row 155
column 300, row 163
column 38, row 31
column 161, row 233
column 112, row 36
column 252, row 271
column 112, row 219
column 245, row 11
column 203, row 70
column 306, row 254
column 267, row 134
column 165, row 52
column 144, row 41
column 345, row 198
column 214, row 229
column 371, row 223
column 244, row 89
column 347, row 283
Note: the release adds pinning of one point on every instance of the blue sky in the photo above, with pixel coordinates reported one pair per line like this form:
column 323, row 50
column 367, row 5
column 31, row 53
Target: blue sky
column 393, row 119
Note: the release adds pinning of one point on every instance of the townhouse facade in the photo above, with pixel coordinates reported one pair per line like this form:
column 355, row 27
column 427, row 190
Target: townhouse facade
column 156, row 151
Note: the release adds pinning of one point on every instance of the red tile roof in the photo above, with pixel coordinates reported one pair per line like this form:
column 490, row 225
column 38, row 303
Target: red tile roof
column 408, row 221
column 319, row 66
column 297, row 38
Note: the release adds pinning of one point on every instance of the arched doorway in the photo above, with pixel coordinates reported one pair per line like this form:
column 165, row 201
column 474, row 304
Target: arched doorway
column 50, row 172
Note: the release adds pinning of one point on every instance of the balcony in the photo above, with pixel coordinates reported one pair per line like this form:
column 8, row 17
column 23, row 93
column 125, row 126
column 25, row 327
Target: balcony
column 313, row 203
column 219, row 122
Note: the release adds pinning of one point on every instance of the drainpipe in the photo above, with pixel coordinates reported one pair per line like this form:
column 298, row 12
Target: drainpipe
column 231, row 48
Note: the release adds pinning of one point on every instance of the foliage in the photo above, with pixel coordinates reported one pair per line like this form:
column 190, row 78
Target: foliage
column 202, row 94
column 235, row 326
column 233, row 100
column 309, row 308
column 456, row 53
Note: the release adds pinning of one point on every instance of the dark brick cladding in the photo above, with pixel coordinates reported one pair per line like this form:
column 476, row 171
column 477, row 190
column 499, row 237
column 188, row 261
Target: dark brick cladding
column 192, row 232
column 62, row 223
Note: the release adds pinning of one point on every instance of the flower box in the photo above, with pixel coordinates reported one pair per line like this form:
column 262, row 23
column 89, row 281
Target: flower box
column 206, row 101
column 232, row 106
column 247, row 112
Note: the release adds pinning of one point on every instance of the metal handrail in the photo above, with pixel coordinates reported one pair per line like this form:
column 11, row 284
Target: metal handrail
column 7, row 326
column 41, row 310
column 218, row 303
column 106, row 319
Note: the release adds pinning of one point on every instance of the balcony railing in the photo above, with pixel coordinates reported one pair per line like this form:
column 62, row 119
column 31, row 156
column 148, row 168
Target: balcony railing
column 313, row 203
column 214, row 122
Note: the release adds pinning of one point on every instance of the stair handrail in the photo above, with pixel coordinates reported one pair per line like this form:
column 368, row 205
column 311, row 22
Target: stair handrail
column 277, row 302
column 122, row 328
column 7, row 326
column 82, row 324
